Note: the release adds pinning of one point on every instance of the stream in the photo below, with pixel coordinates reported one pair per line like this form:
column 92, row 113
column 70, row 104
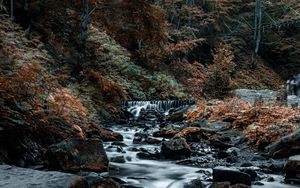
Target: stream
column 162, row 173
column 138, row 164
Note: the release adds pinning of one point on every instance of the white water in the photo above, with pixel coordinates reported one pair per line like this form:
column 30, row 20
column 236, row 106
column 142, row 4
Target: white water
column 163, row 107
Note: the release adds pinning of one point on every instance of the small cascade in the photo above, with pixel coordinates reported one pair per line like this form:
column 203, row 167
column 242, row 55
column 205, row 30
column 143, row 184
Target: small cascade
column 161, row 106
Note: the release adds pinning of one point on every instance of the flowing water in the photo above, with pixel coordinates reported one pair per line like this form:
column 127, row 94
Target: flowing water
column 136, row 172
column 162, row 107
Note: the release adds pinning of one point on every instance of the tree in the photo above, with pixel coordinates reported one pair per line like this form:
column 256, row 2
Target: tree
column 12, row 9
column 257, row 30
column 82, row 39
column 83, row 31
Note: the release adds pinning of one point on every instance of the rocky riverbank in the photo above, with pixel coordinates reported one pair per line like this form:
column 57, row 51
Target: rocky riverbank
column 207, row 144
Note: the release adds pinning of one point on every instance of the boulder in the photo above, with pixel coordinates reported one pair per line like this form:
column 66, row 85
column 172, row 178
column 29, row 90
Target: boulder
column 175, row 148
column 195, row 134
column 177, row 115
column 234, row 176
column 78, row 154
column 165, row 133
column 15, row 177
column 292, row 170
column 103, row 134
column 286, row 146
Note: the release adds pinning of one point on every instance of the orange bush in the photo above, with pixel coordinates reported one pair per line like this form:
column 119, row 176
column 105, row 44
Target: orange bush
column 196, row 113
column 109, row 89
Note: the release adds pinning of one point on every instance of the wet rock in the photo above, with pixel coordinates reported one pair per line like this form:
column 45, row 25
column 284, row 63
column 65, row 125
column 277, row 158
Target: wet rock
column 15, row 177
column 234, row 176
column 78, row 154
column 258, row 183
column 292, row 170
column 202, row 123
column 151, row 140
column 218, row 125
column 219, row 144
column 177, row 115
column 148, row 155
column 225, row 184
column 246, row 164
column 287, row 146
column 114, row 149
column 165, row 133
column 240, row 186
column 222, row 155
column 137, row 140
column 195, row 134
column 270, row 179
column 276, row 167
column 118, row 159
column 104, row 134
column 251, row 172
column 196, row 183
column 175, row 148
column 119, row 144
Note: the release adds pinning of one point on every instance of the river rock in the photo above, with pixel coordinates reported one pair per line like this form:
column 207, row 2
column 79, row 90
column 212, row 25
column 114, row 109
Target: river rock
column 15, row 177
column 78, row 154
column 177, row 115
column 118, row 159
column 104, row 134
column 196, row 183
column 175, row 148
column 165, row 133
column 148, row 155
column 234, row 176
column 195, row 134
column 292, row 170
column 286, row 146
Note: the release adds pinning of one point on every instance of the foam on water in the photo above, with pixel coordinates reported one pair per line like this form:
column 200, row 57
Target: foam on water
column 162, row 107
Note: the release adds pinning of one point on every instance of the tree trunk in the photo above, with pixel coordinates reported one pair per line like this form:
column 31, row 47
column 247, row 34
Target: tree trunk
column 77, row 69
column 12, row 9
column 83, row 32
column 257, row 31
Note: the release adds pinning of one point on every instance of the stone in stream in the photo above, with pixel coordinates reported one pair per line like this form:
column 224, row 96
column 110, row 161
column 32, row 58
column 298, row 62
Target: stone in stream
column 175, row 148
column 165, row 133
column 78, row 154
column 226, row 184
column 234, row 176
column 196, row 183
column 104, row 134
column 195, row 134
column 177, row 115
column 292, row 170
column 15, row 177
column 118, row 159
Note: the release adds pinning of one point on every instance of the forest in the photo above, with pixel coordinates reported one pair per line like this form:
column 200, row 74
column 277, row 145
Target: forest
column 149, row 93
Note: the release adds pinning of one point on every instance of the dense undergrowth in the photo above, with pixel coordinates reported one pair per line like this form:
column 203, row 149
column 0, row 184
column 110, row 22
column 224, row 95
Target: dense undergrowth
column 263, row 123
column 138, row 50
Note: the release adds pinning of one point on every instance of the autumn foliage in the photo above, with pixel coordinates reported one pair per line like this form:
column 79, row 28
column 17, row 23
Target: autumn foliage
column 262, row 123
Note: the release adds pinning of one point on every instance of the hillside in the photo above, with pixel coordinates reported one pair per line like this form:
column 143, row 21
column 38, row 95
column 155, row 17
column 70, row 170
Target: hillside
column 61, row 79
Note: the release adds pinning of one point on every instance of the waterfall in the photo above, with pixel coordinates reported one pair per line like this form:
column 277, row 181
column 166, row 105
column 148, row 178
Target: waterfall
column 161, row 106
